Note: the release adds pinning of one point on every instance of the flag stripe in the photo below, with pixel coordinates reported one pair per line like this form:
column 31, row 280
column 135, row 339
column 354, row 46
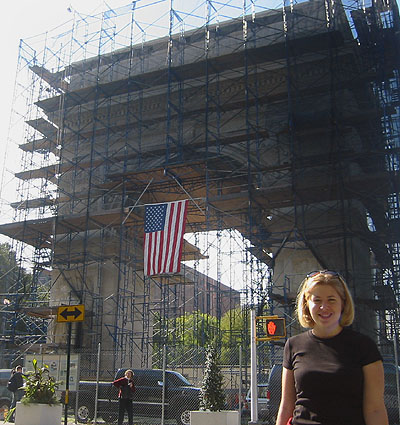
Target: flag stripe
column 167, row 252
column 171, row 232
column 181, row 231
column 163, row 238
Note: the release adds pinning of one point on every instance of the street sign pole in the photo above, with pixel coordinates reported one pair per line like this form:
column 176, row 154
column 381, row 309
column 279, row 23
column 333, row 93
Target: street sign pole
column 67, row 376
column 253, row 370
column 68, row 314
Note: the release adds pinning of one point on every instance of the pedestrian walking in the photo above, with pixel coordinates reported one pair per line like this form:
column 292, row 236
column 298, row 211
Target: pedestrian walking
column 15, row 385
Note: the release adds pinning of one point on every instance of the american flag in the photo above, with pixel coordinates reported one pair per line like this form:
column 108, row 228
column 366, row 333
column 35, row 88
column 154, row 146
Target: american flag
column 164, row 227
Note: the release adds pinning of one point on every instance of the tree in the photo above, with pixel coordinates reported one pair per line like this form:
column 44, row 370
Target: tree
column 234, row 329
column 13, row 277
column 15, row 288
column 212, row 391
column 185, row 336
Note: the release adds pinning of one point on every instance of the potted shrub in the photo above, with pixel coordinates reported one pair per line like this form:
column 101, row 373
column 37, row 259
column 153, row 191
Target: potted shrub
column 39, row 405
column 212, row 396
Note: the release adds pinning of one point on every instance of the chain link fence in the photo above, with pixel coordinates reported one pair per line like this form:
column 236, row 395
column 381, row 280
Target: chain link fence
column 95, row 399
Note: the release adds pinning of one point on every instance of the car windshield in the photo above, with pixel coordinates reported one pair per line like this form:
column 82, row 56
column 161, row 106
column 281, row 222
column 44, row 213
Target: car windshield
column 390, row 375
column 179, row 380
column 262, row 391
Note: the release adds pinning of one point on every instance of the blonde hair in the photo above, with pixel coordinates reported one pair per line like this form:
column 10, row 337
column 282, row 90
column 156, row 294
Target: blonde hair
column 332, row 279
column 129, row 371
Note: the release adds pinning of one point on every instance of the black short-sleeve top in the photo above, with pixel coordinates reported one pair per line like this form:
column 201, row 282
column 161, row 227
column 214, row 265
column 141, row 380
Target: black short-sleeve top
column 328, row 376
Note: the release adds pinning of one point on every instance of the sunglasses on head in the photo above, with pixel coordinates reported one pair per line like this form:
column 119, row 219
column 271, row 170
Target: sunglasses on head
column 328, row 272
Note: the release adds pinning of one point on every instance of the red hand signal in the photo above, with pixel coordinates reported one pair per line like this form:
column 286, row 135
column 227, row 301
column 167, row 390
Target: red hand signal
column 271, row 328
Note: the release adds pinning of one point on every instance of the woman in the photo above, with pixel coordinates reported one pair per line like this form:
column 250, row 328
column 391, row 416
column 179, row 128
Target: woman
column 125, row 395
column 332, row 375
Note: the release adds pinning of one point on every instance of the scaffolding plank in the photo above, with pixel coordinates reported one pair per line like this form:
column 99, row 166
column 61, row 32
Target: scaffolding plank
column 273, row 52
column 45, row 127
column 54, row 79
column 40, row 145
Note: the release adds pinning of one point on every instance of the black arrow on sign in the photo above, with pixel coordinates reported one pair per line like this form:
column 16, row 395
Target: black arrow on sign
column 75, row 313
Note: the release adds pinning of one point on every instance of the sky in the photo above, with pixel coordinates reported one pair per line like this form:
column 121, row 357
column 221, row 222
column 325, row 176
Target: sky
column 27, row 18
column 33, row 21
column 24, row 19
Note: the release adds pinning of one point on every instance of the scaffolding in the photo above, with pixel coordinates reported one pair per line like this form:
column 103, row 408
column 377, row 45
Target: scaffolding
column 279, row 123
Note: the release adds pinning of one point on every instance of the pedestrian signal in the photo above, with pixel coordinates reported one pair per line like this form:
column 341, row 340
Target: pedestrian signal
column 270, row 328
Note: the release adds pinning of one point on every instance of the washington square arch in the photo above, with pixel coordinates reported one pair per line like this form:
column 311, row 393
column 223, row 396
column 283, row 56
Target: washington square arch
column 279, row 125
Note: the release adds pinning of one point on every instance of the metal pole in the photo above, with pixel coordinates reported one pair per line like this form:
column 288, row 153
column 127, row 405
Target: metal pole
column 240, row 384
column 67, row 377
column 97, row 384
column 164, row 366
column 396, row 363
column 253, row 368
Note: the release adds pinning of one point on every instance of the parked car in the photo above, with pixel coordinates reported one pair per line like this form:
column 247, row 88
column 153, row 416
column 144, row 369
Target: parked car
column 180, row 397
column 262, row 402
column 274, row 392
column 391, row 395
column 5, row 395
column 232, row 398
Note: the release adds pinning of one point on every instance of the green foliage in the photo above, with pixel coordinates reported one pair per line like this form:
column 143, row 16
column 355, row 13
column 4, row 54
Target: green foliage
column 235, row 329
column 182, row 335
column 195, row 329
column 212, row 395
column 40, row 387
column 187, row 335
column 22, row 288
column 9, row 415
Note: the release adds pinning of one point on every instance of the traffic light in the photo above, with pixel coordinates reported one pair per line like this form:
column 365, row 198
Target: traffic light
column 270, row 327
column 276, row 328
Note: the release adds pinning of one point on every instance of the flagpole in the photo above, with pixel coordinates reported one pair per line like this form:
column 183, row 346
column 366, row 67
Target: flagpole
column 138, row 199
column 178, row 183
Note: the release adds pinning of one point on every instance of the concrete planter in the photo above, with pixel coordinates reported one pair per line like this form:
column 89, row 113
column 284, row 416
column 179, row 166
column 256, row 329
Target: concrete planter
column 38, row 414
column 225, row 417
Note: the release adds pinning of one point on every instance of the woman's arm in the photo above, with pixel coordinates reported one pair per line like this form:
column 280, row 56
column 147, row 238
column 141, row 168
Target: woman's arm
column 374, row 386
column 288, row 397
column 120, row 382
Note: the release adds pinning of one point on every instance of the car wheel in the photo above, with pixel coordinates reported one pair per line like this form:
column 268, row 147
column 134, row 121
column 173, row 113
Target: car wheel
column 183, row 418
column 84, row 413
column 4, row 407
column 109, row 417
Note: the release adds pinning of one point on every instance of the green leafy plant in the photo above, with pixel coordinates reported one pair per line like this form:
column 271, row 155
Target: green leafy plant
column 212, row 396
column 9, row 415
column 40, row 387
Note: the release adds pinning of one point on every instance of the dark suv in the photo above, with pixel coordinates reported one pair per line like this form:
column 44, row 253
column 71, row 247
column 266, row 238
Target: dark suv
column 274, row 392
column 180, row 397
column 391, row 392
column 5, row 395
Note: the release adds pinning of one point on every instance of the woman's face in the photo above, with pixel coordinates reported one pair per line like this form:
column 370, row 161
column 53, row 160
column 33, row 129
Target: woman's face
column 325, row 306
column 128, row 374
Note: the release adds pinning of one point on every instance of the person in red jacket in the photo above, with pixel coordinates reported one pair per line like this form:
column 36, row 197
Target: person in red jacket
column 126, row 389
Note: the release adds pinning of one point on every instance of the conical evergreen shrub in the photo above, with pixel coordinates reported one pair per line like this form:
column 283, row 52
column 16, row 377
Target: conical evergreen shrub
column 212, row 391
